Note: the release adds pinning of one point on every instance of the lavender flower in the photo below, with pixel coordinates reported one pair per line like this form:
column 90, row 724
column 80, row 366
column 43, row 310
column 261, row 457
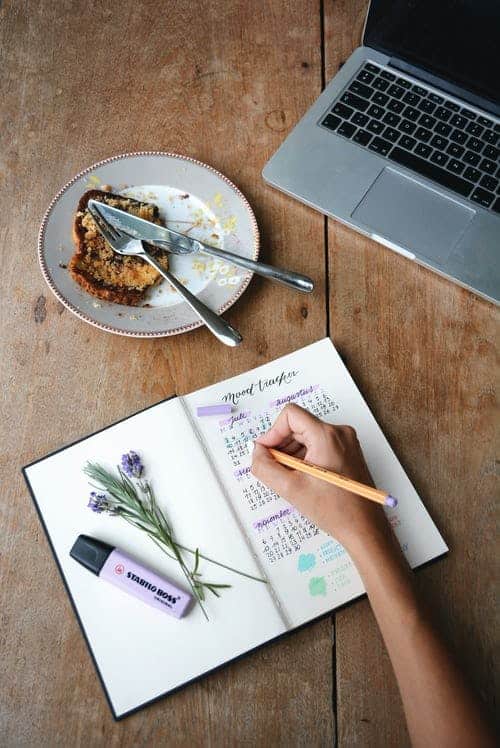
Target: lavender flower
column 131, row 465
column 99, row 503
column 135, row 502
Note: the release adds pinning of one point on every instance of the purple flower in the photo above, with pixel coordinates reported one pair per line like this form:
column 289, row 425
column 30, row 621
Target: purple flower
column 99, row 503
column 132, row 465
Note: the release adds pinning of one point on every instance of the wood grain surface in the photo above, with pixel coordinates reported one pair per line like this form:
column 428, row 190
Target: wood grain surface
column 223, row 82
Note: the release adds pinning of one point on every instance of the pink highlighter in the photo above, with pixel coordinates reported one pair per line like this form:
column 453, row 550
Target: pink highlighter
column 114, row 566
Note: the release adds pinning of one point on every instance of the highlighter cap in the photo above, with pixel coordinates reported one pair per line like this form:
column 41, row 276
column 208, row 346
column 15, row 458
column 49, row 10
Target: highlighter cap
column 91, row 553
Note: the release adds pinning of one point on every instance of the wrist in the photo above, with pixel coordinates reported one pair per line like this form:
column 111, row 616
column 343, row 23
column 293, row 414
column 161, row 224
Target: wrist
column 368, row 532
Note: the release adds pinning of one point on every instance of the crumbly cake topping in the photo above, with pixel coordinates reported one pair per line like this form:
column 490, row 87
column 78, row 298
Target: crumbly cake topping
column 101, row 267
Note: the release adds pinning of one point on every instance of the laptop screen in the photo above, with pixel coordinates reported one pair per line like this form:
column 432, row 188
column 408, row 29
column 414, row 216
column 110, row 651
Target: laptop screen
column 458, row 40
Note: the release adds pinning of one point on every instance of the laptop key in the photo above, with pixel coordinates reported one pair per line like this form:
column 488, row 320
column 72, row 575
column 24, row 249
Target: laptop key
column 372, row 68
column 474, row 129
column 455, row 166
column 331, row 121
column 360, row 119
column 407, row 126
column 342, row 110
column 458, row 121
column 485, row 122
column 439, row 142
column 489, row 183
column 435, row 98
column 455, row 150
column 375, row 111
column 458, row 136
column 356, row 102
column 483, row 197
column 411, row 113
column 407, row 142
column 442, row 114
column 475, row 145
column 362, row 137
column 375, row 126
column 490, row 136
column 431, row 171
column 427, row 121
column 380, row 84
column 422, row 134
column 440, row 158
column 419, row 90
column 488, row 166
column 346, row 129
column 403, row 82
column 387, row 75
column 380, row 98
column 491, row 152
column 365, row 77
column 379, row 145
column 471, row 158
column 391, row 119
column 451, row 105
column 473, row 174
column 391, row 134
column 361, row 89
column 426, row 106
column 395, row 90
column 443, row 129
column 397, row 106
column 423, row 150
column 411, row 98
column 496, row 205
column 467, row 113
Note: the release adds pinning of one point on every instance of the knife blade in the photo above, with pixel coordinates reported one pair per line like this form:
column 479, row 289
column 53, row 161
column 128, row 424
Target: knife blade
column 147, row 231
column 173, row 241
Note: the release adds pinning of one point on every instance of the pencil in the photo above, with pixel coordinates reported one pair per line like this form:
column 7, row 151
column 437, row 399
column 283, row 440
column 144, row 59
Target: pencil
column 348, row 484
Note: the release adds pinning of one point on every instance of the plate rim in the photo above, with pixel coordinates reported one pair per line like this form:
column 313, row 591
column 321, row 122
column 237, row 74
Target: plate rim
column 129, row 333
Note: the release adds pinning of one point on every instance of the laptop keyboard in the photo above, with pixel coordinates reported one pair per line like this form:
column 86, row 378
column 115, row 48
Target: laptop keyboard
column 421, row 130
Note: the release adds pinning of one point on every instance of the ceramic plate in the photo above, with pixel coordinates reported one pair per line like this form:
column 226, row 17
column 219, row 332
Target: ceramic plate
column 193, row 198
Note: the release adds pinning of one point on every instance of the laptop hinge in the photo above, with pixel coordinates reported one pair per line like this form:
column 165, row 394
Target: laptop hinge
column 445, row 85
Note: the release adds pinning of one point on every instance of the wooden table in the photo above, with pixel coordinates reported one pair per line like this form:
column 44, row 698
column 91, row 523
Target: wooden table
column 224, row 82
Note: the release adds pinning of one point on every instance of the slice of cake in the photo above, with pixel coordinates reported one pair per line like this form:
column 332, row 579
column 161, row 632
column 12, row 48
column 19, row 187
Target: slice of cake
column 99, row 270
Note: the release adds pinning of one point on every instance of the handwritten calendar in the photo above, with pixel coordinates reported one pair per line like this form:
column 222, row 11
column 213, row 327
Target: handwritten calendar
column 307, row 565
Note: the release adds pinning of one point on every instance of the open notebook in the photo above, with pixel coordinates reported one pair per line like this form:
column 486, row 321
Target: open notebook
column 200, row 471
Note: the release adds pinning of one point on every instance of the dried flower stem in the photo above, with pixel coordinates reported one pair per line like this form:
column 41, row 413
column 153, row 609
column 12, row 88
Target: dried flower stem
column 136, row 503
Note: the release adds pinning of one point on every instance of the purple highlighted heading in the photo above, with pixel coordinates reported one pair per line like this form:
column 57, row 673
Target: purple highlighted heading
column 391, row 501
column 221, row 409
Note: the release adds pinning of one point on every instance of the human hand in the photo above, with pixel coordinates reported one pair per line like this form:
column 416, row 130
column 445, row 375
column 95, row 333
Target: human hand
column 340, row 513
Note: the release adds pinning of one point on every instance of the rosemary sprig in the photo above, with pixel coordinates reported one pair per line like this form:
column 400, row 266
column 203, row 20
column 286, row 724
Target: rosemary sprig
column 135, row 502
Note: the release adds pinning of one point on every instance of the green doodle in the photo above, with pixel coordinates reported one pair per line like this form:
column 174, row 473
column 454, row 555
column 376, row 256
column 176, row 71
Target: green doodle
column 317, row 586
column 306, row 561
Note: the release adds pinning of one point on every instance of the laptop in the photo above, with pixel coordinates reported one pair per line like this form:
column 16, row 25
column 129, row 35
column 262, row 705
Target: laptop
column 403, row 143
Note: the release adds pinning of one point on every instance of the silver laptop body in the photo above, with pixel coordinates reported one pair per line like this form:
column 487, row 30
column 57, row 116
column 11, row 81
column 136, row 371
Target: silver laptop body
column 400, row 207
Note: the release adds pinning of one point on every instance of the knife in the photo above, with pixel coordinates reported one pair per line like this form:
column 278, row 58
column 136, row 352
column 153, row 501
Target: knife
column 173, row 241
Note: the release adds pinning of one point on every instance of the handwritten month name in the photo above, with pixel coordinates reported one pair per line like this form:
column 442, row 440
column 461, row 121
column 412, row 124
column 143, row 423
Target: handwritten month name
column 261, row 385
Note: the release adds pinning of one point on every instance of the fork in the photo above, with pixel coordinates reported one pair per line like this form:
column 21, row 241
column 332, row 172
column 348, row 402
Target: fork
column 125, row 245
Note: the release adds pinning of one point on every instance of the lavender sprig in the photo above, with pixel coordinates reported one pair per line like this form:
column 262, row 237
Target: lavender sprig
column 130, row 496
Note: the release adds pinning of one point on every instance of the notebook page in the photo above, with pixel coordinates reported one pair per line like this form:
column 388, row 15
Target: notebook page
column 309, row 570
column 142, row 653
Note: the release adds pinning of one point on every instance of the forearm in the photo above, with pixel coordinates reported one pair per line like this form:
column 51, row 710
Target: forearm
column 439, row 708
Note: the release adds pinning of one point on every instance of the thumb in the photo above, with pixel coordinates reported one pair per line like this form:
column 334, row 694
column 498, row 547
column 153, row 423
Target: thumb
column 265, row 468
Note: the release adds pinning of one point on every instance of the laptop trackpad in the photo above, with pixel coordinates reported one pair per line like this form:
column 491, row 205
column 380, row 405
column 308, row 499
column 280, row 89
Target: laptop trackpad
column 412, row 215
